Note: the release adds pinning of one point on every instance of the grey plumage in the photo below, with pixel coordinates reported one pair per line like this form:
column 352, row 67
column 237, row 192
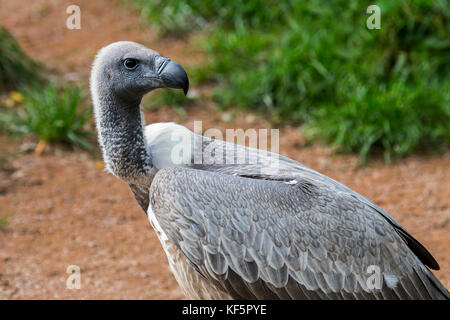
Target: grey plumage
column 244, row 230
column 283, row 239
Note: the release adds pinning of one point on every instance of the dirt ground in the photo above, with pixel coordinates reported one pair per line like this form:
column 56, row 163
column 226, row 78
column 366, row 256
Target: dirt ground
column 61, row 209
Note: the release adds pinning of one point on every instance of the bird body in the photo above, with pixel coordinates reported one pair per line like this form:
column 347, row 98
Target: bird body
column 261, row 227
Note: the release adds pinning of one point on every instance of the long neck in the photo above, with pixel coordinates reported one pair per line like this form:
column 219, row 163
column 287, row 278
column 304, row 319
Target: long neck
column 121, row 138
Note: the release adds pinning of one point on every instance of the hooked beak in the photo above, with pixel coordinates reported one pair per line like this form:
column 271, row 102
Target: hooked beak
column 172, row 74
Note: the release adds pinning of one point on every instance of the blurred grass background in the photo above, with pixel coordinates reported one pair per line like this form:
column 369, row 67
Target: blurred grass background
column 50, row 112
column 16, row 68
column 309, row 62
column 299, row 62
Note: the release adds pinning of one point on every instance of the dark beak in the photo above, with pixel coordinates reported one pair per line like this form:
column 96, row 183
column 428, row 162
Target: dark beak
column 172, row 74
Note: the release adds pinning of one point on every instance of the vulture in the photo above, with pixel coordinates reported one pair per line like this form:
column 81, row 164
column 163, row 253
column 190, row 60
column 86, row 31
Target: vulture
column 242, row 223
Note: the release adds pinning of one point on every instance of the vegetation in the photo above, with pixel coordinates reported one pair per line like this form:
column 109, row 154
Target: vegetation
column 51, row 113
column 55, row 114
column 305, row 62
column 3, row 223
column 16, row 68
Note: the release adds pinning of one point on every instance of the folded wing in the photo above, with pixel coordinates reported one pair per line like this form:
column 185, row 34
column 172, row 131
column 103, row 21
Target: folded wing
column 286, row 237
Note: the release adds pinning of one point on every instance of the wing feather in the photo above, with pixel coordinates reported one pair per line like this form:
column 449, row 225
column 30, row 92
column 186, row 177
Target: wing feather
column 261, row 164
column 270, row 239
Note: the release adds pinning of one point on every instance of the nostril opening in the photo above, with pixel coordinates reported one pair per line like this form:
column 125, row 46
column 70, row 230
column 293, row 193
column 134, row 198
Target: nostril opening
column 160, row 64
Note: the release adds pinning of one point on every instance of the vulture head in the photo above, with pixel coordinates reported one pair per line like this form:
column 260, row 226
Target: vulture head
column 130, row 70
column 122, row 73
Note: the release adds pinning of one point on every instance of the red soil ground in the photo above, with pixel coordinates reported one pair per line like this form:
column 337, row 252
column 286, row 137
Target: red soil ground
column 62, row 210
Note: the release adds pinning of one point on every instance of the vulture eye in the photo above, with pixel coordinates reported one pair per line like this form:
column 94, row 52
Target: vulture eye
column 130, row 64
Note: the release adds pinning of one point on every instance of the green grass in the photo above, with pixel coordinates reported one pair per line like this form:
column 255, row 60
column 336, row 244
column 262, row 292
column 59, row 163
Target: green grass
column 3, row 223
column 6, row 119
column 178, row 17
column 16, row 68
column 386, row 119
column 54, row 114
column 364, row 91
